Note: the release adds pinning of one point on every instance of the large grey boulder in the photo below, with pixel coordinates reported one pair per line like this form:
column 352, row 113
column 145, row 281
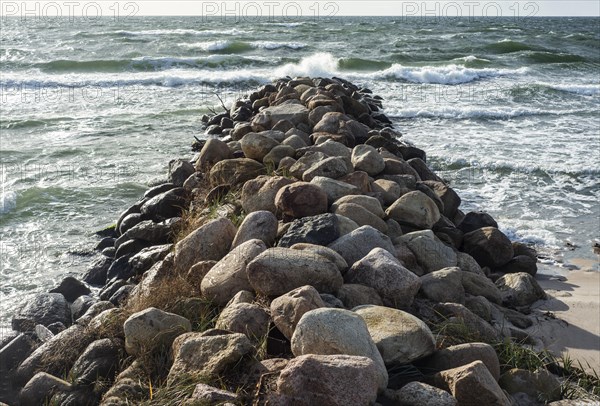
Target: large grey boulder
column 294, row 113
column 400, row 337
column 321, row 230
column 396, row 285
column 278, row 270
column 209, row 242
column 41, row 388
column 461, row 354
column 288, row 309
column 519, row 289
column 421, row 394
column 259, row 193
column 415, row 209
column 301, row 199
column 329, row 331
column 44, row 309
column 489, row 246
column 358, row 243
column 332, row 380
column 472, row 384
column 229, row 276
column 430, row 252
column 246, row 318
column 207, row 355
column 444, row 285
column 479, row 285
column 152, row 328
column 366, row 158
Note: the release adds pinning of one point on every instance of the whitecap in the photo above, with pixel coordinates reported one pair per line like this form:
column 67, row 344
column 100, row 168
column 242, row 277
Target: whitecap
column 8, row 201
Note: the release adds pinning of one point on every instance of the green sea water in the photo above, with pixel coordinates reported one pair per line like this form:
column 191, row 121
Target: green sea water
column 91, row 112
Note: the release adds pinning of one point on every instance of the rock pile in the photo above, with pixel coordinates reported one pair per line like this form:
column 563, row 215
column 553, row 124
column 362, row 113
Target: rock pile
column 328, row 255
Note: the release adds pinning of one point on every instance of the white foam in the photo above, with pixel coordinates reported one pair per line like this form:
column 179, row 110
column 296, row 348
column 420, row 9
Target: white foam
column 8, row 201
column 179, row 31
column 319, row 64
column 277, row 45
column 584, row 89
column 447, row 75
column 471, row 112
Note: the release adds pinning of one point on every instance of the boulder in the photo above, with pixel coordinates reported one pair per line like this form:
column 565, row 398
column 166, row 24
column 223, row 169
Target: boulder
column 358, row 243
column 165, row 205
column 328, row 253
column 423, row 170
column 213, row 151
column 520, row 263
column 396, row 285
column 154, row 232
column 246, row 318
column 259, row 193
column 229, row 276
column 211, row 241
column 447, row 195
column 294, row 113
column 539, row 384
column 519, row 289
column 290, row 307
column 260, row 225
column 472, row 384
column 361, row 216
column 444, row 285
column 400, row 337
column 99, row 361
column 44, row 309
column 366, row 158
column 257, row 146
column 421, row 394
column 329, row 331
column 146, row 258
column 489, row 246
column 306, row 161
column 55, row 356
column 301, row 199
column 369, row 203
column 41, row 388
column 206, row 394
column 414, row 209
column 207, row 355
column 459, row 320
column 389, row 190
column 431, row 254
column 354, row 294
column 179, row 171
column 331, row 167
column 479, row 285
column 71, row 288
column 235, row 171
column 278, row 270
column 334, row 189
column 458, row 355
column 475, row 220
column 152, row 328
column 320, row 230
column 278, row 154
column 467, row 263
column 332, row 380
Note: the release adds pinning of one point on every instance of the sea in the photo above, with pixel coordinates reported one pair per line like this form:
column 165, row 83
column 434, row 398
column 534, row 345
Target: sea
column 507, row 109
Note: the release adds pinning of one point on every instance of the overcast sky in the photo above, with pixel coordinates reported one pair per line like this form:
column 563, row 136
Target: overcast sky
column 305, row 8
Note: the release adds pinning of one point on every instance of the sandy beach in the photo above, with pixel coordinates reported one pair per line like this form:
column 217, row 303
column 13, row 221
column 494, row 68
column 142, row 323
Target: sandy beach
column 569, row 321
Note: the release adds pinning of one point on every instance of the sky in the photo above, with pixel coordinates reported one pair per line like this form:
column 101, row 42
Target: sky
column 305, row 8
